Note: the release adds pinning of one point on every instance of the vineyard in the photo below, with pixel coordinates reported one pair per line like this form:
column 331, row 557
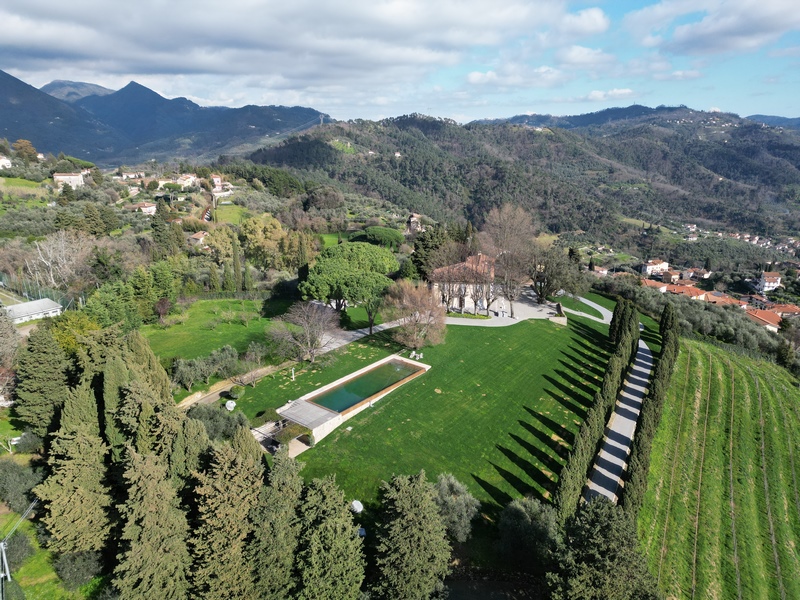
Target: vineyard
column 721, row 518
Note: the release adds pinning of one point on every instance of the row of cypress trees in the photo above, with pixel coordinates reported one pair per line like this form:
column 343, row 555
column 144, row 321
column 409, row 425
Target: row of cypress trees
column 174, row 514
column 650, row 416
column 624, row 338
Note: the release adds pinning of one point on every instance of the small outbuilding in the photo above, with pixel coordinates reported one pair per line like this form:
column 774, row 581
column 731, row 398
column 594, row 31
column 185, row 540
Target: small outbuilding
column 30, row 311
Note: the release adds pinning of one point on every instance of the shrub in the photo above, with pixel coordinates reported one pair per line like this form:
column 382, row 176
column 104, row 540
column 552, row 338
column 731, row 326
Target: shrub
column 16, row 483
column 236, row 392
column 220, row 424
column 18, row 548
column 29, row 443
column 529, row 534
column 77, row 568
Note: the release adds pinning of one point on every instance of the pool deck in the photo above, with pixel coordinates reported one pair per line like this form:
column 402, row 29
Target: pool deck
column 322, row 421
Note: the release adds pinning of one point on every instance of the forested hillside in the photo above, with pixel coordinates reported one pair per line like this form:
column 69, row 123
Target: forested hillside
column 662, row 165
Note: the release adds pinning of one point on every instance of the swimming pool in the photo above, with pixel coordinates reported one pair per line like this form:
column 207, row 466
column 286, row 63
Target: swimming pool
column 348, row 395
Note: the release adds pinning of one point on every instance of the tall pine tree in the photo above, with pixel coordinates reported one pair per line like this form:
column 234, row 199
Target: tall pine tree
column 76, row 497
column 330, row 560
column 413, row 551
column 155, row 560
column 226, row 494
column 42, row 382
column 276, row 529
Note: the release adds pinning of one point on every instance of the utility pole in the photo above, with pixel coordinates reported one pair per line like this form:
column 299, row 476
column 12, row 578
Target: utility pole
column 5, row 568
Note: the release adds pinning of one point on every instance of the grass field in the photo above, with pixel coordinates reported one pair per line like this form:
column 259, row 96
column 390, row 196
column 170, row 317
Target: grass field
column 331, row 239
column 721, row 517
column 211, row 324
column 499, row 409
column 231, row 213
column 36, row 575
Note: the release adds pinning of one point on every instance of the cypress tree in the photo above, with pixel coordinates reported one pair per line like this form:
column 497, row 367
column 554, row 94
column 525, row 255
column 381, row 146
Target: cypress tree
column 155, row 560
column 75, row 494
column 226, row 494
column 413, row 551
column 115, row 377
column 92, row 221
column 42, row 382
column 228, row 281
column 237, row 263
column 330, row 560
column 248, row 285
column 213, row 279
column 275, row 535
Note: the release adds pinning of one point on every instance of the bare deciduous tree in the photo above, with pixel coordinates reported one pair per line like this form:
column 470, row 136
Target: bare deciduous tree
column 421, row 316
column 306, row 330
column 59, row 259
column 508, row 236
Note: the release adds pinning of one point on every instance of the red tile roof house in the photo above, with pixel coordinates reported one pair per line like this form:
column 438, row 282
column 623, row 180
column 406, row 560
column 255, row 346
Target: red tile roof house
column 656, row 285
column 147, row 208
column 466, row 281
column 765, row 318
column 785, row 310
column 686, row 290
column 197, row 239
column 720, row 299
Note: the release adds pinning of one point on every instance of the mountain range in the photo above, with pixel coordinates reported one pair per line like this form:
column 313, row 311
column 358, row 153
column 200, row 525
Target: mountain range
column 135, row 123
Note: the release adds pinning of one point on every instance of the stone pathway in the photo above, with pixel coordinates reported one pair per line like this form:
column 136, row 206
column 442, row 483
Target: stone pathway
column 612, row 460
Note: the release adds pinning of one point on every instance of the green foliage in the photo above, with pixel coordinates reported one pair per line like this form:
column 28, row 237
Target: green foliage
column 76, row 569
column 226, row 494
column 18, row 550
column 380, row 236
column 329, row 559
column 76, row 496
column 598, row 558
column 275, row 538
column 16, row 483
column 155, row 558
column 529, row 533
column 457, row 507
column 220, row 423
column 236, row 392
column 42, row 381
column 413, row 552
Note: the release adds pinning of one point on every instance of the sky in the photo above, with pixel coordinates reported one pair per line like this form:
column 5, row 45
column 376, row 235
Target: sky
column 458, row 59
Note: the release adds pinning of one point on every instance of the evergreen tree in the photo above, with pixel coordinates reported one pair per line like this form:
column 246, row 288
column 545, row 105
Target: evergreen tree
column 529, row 531
column 115, row 377
column 413, row 551
column 92, row 220
column 275, row 535
column 228, row 280
column 248, row 285
column 329, row 560
column 76, row 497
column 599, row 559
column 213, row 279
column 226, row 494
column 237, row 263
column 155, row 560
column 163, row 237
column 41, row 382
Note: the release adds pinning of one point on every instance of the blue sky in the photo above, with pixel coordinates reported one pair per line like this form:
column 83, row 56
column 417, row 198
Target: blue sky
column 461, row 59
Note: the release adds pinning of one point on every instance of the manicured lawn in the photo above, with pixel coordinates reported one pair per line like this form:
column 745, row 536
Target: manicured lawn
column 7, row 430
column 358, row 318
column 722, row 510
column 499, row 409
column 211, row 325
column 575, row 304
column 17, row 182
column 331, row 239
column 231, row 213
column 276, row 390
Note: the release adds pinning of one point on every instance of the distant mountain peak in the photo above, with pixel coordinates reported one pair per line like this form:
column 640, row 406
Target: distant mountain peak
column 72, row 91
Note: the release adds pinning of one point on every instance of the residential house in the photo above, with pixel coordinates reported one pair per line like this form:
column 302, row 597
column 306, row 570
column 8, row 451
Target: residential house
column 30, row 311
column 147, row 208
column 767, row 319
column 467, row 286
column 186, row 181
column 75, row 180
column 670, row 276
column 198, row 239
column 654, row 267
column 216, row 181
column 5, row 162
column 686, row 290
column 656, row 285
column 414, row 224
column 132, row 175
column 785, row 310
column 769, row 281
column 722, row 299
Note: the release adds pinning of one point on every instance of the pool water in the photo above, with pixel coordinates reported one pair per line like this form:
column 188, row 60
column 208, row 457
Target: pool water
column 364, row 386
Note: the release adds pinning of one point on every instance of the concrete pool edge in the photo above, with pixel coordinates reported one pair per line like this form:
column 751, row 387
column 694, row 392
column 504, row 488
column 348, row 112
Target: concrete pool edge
column 322, row 420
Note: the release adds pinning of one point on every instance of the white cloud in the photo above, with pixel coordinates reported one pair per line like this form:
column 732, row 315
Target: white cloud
column 602, row 96
column 582, row 57
column 515, row 75
column 678, row 75
column 713, row 26
column 590, row 21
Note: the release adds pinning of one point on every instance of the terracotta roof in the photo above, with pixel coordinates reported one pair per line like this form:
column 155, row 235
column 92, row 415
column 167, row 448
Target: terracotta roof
column 685, row 290
column 653, row 284
column 764, row 317
column 721, row 299
column 785, row 309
